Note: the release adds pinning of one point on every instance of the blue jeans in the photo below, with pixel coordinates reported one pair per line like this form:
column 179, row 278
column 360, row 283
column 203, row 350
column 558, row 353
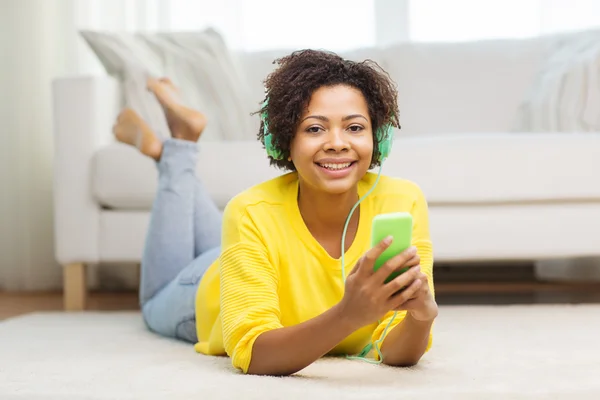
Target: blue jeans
column 182, row 241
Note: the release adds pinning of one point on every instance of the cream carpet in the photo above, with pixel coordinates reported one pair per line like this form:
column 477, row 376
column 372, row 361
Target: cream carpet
column 480, row 352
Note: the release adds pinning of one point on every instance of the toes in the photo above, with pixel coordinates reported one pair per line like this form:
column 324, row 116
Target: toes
column 127, row 114
column 117, row 130
column 167, row 81
column 124, row 112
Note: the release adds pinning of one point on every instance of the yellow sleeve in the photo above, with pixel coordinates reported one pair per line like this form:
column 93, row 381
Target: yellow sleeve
column 421, row 238
column 249, row 282
column 422, row 241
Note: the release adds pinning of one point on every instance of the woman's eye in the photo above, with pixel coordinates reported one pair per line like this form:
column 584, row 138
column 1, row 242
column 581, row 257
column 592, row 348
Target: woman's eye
column 313, row 129
column 356, row 128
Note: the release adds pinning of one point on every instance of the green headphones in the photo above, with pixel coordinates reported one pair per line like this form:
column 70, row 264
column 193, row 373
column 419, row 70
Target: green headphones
column 384, row 134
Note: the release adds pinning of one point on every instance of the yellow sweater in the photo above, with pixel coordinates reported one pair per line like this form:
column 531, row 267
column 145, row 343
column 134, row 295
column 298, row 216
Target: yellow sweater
column 273, row 273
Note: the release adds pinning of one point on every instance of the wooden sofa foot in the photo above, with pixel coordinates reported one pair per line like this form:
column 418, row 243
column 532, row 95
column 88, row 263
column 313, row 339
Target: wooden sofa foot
column 75, row 287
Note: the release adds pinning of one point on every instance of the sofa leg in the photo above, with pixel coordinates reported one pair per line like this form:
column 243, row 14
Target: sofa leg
column 75, row 287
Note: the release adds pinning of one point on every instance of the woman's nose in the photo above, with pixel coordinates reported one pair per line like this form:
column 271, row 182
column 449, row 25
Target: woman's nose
column 336, row 140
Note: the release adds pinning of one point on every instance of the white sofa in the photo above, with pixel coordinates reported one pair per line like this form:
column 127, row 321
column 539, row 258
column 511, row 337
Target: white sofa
column 494, row 194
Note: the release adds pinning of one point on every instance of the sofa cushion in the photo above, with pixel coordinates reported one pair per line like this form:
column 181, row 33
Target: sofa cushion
column 451, row 169
column 462, row 87
column 125, row 179
column 500, row 167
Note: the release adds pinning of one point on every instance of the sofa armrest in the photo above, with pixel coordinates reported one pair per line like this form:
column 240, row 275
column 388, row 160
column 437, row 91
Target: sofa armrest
column 84, row 110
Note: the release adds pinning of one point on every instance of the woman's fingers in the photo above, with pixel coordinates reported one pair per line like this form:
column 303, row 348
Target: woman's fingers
column 407, row 294
column 368, row 260
column 396, row 263
column 414, row 261
column 412, row 296
column 401, row 283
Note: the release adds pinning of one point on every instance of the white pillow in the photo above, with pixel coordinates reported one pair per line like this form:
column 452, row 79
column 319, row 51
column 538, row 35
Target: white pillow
column 565, row 97
column 200, row 65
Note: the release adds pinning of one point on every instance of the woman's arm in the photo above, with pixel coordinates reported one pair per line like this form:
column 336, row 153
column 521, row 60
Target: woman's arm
column 287, row 350
column 253, row 334
column 406, row 343
column 408, row 340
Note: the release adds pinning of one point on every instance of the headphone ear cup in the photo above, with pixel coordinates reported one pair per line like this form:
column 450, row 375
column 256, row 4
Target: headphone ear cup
column 272, row 151
column 270, row 147
column 386, row 137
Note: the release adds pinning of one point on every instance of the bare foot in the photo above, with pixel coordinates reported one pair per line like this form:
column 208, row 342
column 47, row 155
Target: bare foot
column 131, row 129
column 184, row 122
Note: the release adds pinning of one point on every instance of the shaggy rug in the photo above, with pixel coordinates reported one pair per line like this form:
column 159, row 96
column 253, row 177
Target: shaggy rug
column 479, row 352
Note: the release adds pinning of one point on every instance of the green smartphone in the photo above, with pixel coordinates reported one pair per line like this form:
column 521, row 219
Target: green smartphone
column 399, row 225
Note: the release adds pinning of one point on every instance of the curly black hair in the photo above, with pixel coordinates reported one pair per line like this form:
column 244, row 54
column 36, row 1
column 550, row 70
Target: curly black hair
column 290, row 87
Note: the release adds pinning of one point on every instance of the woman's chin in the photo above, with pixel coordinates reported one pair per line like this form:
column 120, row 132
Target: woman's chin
column 339, row 186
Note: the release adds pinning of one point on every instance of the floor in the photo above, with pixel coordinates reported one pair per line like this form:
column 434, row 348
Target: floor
column 447, row 293
column 479, row 352
column 13, row 304
column 541, row 361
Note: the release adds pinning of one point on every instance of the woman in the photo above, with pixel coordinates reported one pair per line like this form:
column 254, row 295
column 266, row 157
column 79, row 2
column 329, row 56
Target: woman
column 270, row 290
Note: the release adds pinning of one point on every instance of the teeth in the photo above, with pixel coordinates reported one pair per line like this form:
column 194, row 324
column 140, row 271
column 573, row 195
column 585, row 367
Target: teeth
column 336, row 166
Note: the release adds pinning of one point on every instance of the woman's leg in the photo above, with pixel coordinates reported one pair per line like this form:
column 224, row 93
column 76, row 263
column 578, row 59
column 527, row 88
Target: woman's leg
column 172, row 310
column 171, row 266
column 188, row 124
column 207, row 220
column 170, row 240
column 130, row 128
column 185, row 224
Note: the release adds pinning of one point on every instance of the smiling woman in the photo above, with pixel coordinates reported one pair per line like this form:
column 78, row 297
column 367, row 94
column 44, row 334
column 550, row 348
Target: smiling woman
column 272, row 290
column 338, row 120
column 326, row 79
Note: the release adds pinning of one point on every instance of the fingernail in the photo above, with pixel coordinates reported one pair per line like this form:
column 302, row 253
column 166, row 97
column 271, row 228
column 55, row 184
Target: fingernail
column 412, row 250
column 387, row 240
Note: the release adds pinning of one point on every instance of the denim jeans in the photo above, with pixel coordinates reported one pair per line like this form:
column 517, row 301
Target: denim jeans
column 182, row 241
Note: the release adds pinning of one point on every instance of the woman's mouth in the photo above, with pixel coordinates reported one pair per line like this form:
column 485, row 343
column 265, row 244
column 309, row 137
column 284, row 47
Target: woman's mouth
column 337, row 169
column 335, row 166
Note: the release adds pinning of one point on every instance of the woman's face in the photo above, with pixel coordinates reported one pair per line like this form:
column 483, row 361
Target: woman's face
column 333, row 145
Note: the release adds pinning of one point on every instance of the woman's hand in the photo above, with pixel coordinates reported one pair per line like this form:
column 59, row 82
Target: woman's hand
column 422, row 305
column 368, row 298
